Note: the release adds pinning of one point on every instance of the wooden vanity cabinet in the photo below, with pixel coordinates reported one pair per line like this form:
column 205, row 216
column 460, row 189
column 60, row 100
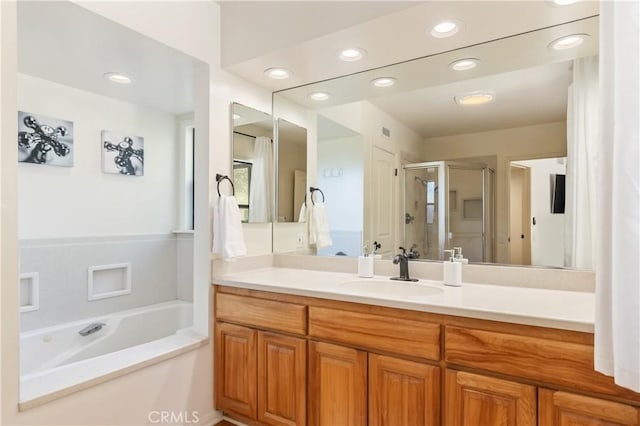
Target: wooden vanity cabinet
column 261, row 375
column 473, row 399
column 399, row 391
column 291, row 360
column 344, row 381
column 337, row 385
column 403, row 392
column 556, row 408
column 282, row 379
column 236, row 369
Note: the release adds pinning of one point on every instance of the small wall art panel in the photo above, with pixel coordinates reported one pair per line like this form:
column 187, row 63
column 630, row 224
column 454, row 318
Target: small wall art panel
column 122, row 153
column 44, row 140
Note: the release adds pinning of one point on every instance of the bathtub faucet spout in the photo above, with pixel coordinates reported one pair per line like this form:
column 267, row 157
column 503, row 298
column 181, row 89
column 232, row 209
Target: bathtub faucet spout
column 91, row 328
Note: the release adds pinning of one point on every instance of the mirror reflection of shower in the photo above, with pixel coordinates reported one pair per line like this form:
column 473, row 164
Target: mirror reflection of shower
column 449, row 204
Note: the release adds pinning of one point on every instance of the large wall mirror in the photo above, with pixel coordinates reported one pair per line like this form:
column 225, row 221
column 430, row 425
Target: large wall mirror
column 253, row 165
column 468, row 148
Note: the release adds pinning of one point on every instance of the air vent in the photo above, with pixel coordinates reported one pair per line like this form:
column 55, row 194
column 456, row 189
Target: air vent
column 386, row 132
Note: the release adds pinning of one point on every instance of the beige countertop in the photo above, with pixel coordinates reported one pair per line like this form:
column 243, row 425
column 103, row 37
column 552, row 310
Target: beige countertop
column 562, row 309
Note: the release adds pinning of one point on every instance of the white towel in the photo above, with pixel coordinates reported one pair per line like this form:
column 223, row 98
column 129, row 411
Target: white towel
column 228, row 239
column 319, row 226
column 311, row 226
column 302, row 216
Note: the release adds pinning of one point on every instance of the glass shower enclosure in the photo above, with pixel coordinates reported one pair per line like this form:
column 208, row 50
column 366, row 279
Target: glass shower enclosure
column 449, row 204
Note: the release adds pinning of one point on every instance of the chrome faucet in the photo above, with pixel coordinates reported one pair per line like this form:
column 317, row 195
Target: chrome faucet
column 403, row 261
column 91, row 328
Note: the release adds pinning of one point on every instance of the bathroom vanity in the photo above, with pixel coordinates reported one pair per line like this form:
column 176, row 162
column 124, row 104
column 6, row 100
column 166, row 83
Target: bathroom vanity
column 295, row 347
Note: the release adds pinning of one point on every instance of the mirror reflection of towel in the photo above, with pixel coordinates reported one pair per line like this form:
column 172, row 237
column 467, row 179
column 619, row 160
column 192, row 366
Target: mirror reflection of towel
column 302, row 217
column 228, row 239
column 319, row 234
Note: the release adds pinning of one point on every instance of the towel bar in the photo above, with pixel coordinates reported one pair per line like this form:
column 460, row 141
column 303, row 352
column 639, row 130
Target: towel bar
column 220, row 178
column 312, row 190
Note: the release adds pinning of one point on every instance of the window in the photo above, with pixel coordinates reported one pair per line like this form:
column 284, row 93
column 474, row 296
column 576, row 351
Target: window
column 242, row 182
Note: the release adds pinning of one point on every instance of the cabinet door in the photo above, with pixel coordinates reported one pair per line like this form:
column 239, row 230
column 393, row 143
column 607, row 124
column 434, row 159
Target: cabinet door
column 235, row 369
column 403, row 392
column 337, row 385
column 472, row 399
column 282, row 379
column 566, row 409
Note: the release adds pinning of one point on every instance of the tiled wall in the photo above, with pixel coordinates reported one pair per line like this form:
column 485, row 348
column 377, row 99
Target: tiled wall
column 161, row 270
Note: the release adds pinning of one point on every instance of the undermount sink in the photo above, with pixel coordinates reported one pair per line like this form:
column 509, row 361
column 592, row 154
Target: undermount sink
column 391, row 288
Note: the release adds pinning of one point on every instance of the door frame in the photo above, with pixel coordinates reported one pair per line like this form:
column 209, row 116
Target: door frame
column 525, row 214
column 503, row 233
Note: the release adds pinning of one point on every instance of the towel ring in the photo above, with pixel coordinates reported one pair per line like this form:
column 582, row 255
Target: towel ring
column 312, row 190
column 219, row 179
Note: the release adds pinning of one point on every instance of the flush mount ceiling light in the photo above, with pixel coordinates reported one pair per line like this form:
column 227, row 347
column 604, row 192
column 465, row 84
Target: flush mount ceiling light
column 475, row 98
column 352, row 54
column 384, row 81
column 446, row 28
column 117, row 77
column 464, row 64
column 568, row 42
column 277, row 73
column 319, row 96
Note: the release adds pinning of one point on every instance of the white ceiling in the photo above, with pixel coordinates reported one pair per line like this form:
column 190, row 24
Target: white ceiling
column 253, row 28
column 67, row 44
column 306, row 36
column 530, row 80
column 524, row 97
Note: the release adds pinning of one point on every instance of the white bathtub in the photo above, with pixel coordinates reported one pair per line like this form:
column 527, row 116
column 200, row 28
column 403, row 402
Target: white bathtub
column 57, row 358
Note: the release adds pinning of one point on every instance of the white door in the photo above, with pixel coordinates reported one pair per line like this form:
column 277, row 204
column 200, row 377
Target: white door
column 383, row 201
column 519, row 202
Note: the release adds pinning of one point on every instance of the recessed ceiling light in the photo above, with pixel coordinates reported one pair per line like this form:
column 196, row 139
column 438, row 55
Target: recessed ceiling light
column 352, row 54
column 475, row 98
column 236, row 116
column 384, row 81
column 464, row 64
column 446, row 28
column 568, row 42
column 563, row 2
column 277, row 73
column 319, row 96
column 117, row 77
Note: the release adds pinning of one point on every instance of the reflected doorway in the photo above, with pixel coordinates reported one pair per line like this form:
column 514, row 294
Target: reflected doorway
column 519, row 213
column 537, row 221
column 449, row 204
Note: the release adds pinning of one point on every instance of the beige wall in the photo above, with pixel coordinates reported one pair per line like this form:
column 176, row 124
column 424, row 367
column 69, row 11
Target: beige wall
column 292, row 156
column 520, row 143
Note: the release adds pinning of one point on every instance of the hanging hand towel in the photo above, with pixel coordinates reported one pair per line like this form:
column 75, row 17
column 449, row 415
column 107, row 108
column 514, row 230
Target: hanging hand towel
column 228, row 239
column 311, row 225
column 319, row 222
column 302, row 216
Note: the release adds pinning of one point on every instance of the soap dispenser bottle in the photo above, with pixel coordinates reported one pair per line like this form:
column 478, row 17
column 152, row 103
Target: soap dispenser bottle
column 452, row 271
column 458, row 255
column 365, row 264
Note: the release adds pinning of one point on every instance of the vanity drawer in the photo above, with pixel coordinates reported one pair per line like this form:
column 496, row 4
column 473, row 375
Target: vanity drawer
column 562, row 363
column 371, row 331
column 265, row 314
